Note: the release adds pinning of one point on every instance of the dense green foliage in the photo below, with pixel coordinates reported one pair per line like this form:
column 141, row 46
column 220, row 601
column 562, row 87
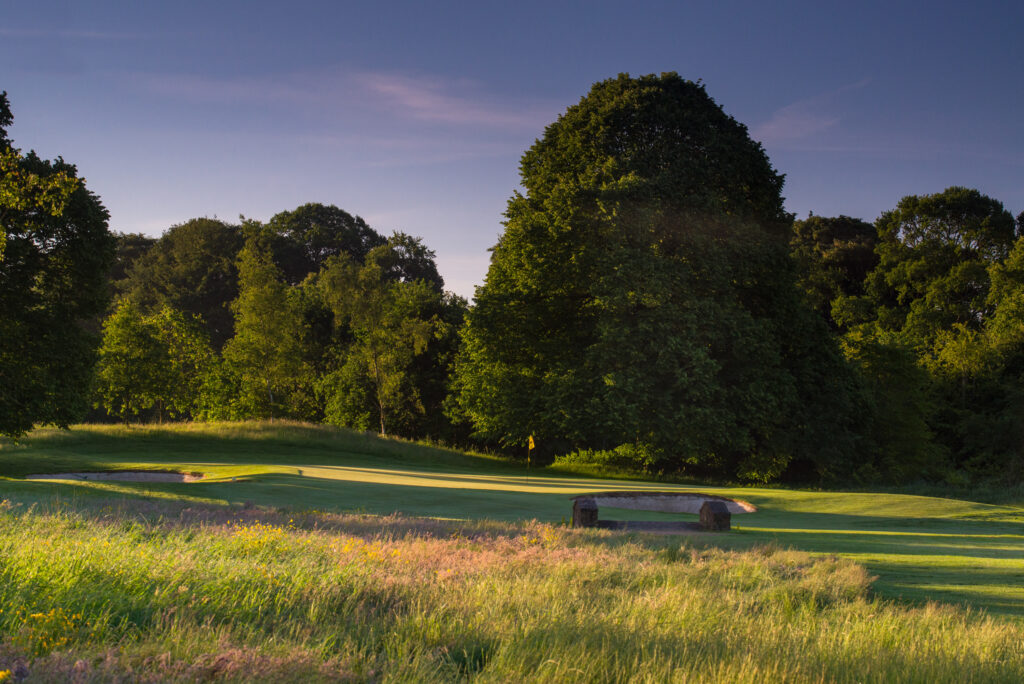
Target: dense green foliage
column 833, row 256
column 391, row 322
column 159, row 360
column 930, row 300
column 313, row 316
column 304, row 239
column 264, row 352
column 130, row 248
column 191, row 268
column 650, row 306
column 934, row 254
column 56, row 251
column 642, row 294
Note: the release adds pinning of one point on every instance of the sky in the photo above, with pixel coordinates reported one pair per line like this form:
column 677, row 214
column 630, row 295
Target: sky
column 414, row 115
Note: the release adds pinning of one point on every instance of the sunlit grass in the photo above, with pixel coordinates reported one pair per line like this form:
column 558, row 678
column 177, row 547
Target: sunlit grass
column 169, row 592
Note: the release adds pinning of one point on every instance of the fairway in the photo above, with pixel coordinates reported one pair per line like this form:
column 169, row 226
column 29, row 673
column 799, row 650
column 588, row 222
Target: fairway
column 920, row 548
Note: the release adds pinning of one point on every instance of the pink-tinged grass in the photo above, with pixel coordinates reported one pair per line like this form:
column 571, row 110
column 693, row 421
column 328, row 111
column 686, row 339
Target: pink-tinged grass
column 119, row 591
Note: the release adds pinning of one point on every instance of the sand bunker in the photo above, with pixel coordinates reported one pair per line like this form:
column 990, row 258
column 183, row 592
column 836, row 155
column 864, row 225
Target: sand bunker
column 715, row 511
column 123, row 476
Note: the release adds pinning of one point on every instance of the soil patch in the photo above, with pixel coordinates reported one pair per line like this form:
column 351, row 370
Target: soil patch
column 123, row 476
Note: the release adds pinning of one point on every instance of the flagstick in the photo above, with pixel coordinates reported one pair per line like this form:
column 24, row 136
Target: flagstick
column 529, row 457
column 529, row 452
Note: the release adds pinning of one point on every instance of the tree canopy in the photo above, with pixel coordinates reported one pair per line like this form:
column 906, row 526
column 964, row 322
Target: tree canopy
column 192, row 269
column 306, row 237
column 151, row 361
column 934, row 257
column 927, row 331
column 130, row 248
column 265, row 351
column 56, row 255
column 834, row 256
column 402, row 332
column 642, row 293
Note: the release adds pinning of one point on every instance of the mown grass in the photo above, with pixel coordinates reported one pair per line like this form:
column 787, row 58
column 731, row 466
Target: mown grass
column 158, row 591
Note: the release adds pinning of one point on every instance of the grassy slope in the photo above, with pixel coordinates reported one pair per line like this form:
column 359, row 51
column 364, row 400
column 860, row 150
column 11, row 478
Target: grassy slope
column 921, row 548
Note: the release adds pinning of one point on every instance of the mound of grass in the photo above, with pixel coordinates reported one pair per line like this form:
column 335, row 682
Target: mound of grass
column 136, row 591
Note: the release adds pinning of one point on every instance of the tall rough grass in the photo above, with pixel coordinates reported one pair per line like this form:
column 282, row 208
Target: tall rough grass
column 160, row 593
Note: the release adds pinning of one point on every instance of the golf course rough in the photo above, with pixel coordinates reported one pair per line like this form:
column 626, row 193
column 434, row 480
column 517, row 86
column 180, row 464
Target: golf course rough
column 160, row 579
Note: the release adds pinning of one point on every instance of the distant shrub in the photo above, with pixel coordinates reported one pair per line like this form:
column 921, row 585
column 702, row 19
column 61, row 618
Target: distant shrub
column 636, row 457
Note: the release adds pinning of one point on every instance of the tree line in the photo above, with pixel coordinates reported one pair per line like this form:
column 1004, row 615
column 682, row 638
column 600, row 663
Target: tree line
column 650, row 305
column 312, row 316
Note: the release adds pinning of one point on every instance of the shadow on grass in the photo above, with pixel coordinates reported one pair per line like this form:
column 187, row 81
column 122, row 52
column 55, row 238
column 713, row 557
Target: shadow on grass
column 905, row 544
column 298, row 492
column 976, row 564
column 230, row 443
column 997, row 591
column 514, row 479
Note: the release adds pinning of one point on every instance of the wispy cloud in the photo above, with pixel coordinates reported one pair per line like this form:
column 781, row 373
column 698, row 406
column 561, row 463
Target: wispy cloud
column 433, row 99
column 804, row 118
column 427, row 99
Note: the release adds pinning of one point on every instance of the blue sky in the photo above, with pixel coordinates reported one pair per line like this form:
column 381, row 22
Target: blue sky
column 414, row 114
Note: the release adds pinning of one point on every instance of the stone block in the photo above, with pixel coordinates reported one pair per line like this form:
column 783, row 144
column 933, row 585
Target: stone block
column 584, row 513
column 715, row 516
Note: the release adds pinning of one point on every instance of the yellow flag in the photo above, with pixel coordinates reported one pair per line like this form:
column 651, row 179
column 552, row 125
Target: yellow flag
column 531, row 443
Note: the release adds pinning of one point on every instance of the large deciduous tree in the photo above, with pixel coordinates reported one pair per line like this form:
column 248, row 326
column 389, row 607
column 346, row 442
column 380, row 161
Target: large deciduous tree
column 130, row 375
column 391, row 374
column 130, row 248
column 156, row 361
column 834, row 256
column 191, row 268
column 931, row 297
column 935, row 252
column 265, row 353
column 304, row 239
column 642, row 293
column 56, row 253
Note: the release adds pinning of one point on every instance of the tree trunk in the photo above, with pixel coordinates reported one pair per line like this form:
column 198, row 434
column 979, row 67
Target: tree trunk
column 380, row 396
column 270, row 394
